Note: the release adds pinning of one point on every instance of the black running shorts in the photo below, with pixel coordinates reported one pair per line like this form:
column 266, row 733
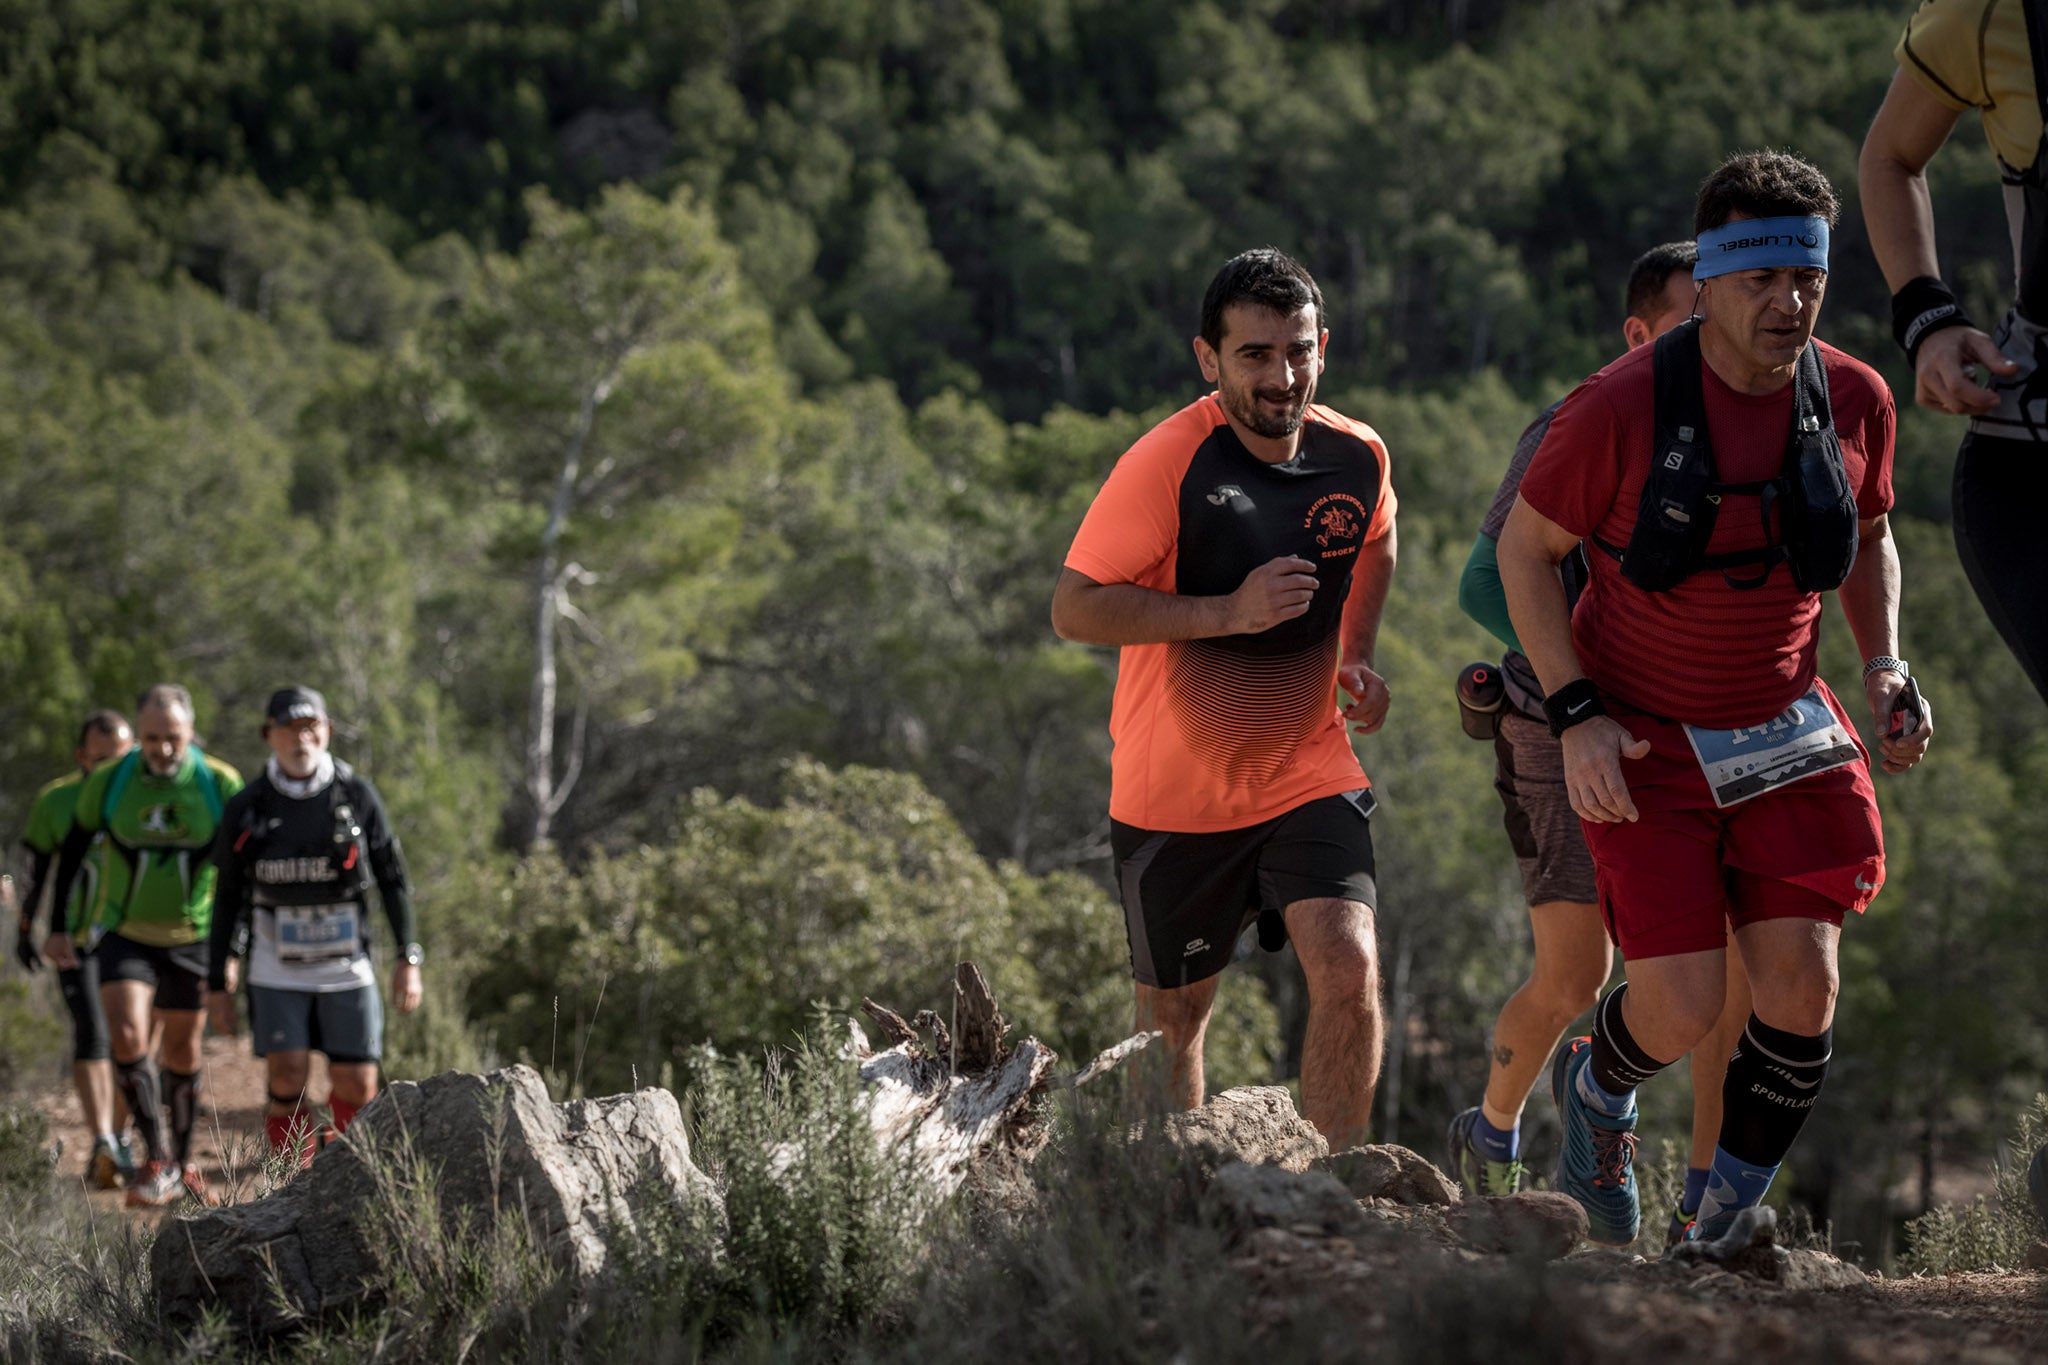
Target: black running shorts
column 179, row 974
column 1188, row 897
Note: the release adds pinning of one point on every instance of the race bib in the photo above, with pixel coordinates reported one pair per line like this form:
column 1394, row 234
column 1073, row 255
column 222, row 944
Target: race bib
column 1749, row 761
column 309, row 934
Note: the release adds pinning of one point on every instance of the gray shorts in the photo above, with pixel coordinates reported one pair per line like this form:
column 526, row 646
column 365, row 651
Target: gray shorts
column 345, row 1026
column 1549, row 842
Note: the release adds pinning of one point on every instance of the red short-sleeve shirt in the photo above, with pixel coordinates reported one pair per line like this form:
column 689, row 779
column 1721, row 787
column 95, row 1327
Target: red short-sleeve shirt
column 1705, row 653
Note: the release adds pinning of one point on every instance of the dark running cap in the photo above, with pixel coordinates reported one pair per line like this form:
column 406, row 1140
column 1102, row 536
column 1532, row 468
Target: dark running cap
column 288, row 704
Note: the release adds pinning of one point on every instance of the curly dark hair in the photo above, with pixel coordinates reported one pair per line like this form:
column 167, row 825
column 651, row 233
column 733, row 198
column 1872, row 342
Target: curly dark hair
column 1266, row 276
column 1764, row 185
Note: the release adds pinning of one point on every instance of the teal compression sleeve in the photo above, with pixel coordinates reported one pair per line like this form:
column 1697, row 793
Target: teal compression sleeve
column 1480, row 595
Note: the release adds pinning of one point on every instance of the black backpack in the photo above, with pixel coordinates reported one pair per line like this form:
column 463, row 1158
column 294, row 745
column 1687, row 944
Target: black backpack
column 1682, row 496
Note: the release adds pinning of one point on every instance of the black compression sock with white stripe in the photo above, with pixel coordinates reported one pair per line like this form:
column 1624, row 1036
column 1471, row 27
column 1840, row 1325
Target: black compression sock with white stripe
column 1774, row 1077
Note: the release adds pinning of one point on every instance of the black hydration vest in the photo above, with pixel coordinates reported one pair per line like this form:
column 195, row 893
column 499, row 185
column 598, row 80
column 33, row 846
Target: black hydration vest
column 305, row 852
column 1682, row 496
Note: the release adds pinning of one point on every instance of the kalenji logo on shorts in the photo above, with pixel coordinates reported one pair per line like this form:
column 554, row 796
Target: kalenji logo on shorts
column 1196, row 946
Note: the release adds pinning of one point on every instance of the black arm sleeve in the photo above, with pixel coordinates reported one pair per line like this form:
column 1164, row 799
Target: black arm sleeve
column 387, row 863
column 70, row 858
column 38, row 872
column 230, row 893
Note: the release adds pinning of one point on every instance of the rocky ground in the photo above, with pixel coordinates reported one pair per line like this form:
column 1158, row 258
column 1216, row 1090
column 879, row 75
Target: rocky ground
column 1374, row 1247
column 228, row 1142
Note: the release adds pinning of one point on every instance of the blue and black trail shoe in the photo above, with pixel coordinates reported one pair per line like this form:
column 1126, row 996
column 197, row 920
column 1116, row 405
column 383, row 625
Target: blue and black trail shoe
column 1597, row 1163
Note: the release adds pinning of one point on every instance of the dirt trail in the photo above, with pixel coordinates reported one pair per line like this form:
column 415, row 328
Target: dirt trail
column 228, row 1142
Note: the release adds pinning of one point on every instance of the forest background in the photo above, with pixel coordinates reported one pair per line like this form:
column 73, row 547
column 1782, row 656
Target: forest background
column 656, row 427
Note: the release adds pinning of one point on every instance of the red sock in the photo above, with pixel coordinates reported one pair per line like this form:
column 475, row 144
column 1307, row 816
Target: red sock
column 344, row 1113
column 286, row 1132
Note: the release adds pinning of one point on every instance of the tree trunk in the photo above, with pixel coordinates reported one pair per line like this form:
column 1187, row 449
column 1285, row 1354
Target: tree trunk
column 543, row 792
column 1397, row 1039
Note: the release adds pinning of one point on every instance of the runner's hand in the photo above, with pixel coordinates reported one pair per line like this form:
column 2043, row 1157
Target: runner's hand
column 1369, row 697
column 234, row 974
column 1941, row 375
column 1278, row 590
column 61, row 951
column 25, row 946
column 1593, row 751
column 405, row 987
column 1898, row 752
column 220, row 1013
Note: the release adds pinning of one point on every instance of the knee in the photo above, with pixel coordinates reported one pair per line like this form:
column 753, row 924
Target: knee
column 1568, row 990
column 1803, row 1004
column 354, row 1086
column 286, row 1076
column 1338, row 950
column 126, row 1042
column 1180, row 1019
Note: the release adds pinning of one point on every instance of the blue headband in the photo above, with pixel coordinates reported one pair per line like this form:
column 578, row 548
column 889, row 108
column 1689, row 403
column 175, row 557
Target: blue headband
column 1762, row 244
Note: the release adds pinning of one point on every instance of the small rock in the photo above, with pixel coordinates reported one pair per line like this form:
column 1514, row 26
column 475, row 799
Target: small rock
column 1384, row 1171
column 1538, row 1223
column 1817, row 1270
column 2037, row 1256
column 1246, row 1197
column 1255, row 1124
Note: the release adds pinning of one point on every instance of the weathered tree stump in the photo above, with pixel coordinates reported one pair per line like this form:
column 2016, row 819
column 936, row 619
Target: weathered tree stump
column 949, row 1096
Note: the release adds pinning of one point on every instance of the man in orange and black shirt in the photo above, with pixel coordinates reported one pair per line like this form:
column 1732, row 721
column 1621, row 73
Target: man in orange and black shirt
column 1240, row 554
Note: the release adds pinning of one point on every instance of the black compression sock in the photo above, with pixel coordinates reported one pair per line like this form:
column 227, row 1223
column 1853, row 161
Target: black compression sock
column 181, row 1101
column 1773, row 1079
column 1618, row 1065
column 139, row 1087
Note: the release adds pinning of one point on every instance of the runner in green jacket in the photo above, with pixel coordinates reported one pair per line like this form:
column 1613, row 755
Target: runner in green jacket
column 147, row 922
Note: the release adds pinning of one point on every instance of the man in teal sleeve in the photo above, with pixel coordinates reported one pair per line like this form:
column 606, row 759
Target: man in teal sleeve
column 1573, row 955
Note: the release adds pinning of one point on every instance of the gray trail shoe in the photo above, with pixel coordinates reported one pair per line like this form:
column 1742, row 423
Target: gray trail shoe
column 1728, row 1236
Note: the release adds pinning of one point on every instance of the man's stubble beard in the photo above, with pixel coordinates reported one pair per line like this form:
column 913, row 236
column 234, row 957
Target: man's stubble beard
column 1243, row 404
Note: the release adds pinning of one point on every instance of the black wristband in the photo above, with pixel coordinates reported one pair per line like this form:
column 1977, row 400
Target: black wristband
column 1578, row 700
column 1922, row 307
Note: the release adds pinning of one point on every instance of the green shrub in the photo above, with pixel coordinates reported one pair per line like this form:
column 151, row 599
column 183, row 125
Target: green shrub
column 25, row 1156
column 822, row 1229
column 859, row 883
column 1985, row 1233
column 31, row 1031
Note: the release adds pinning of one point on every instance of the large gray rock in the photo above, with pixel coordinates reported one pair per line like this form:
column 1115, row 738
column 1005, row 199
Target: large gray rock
column 1535, row 1223
column 1245, row 1198
column 1385, row 1171
column 1255, row 1124
column 444, row 1158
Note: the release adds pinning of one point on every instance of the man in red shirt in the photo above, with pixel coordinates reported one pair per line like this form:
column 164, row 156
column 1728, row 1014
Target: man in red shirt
column 1240, row 555
column 1722, row 480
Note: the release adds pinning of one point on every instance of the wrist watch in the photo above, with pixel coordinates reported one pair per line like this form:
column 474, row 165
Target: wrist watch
column 1880, row 661
column 414, row 954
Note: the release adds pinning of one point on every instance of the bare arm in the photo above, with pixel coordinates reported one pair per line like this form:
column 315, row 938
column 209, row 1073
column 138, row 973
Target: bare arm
column 1371, row 577
column 1531, row 548
column 1870, row 602
column 1909, row 129
column 1127, row 614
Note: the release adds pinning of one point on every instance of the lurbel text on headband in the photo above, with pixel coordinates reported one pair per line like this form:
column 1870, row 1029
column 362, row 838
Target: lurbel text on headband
column 1763, row 244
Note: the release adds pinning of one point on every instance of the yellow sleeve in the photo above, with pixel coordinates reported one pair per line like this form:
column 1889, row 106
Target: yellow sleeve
column 1943, row 49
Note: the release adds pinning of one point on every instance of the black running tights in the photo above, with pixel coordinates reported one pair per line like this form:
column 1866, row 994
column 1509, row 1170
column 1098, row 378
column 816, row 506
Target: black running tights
column 2001, row 523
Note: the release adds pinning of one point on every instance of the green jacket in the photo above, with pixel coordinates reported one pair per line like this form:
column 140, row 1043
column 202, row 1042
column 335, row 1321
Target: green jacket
column 156, row 886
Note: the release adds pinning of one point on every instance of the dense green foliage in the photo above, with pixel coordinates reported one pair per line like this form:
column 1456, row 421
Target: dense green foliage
column 749, row 366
